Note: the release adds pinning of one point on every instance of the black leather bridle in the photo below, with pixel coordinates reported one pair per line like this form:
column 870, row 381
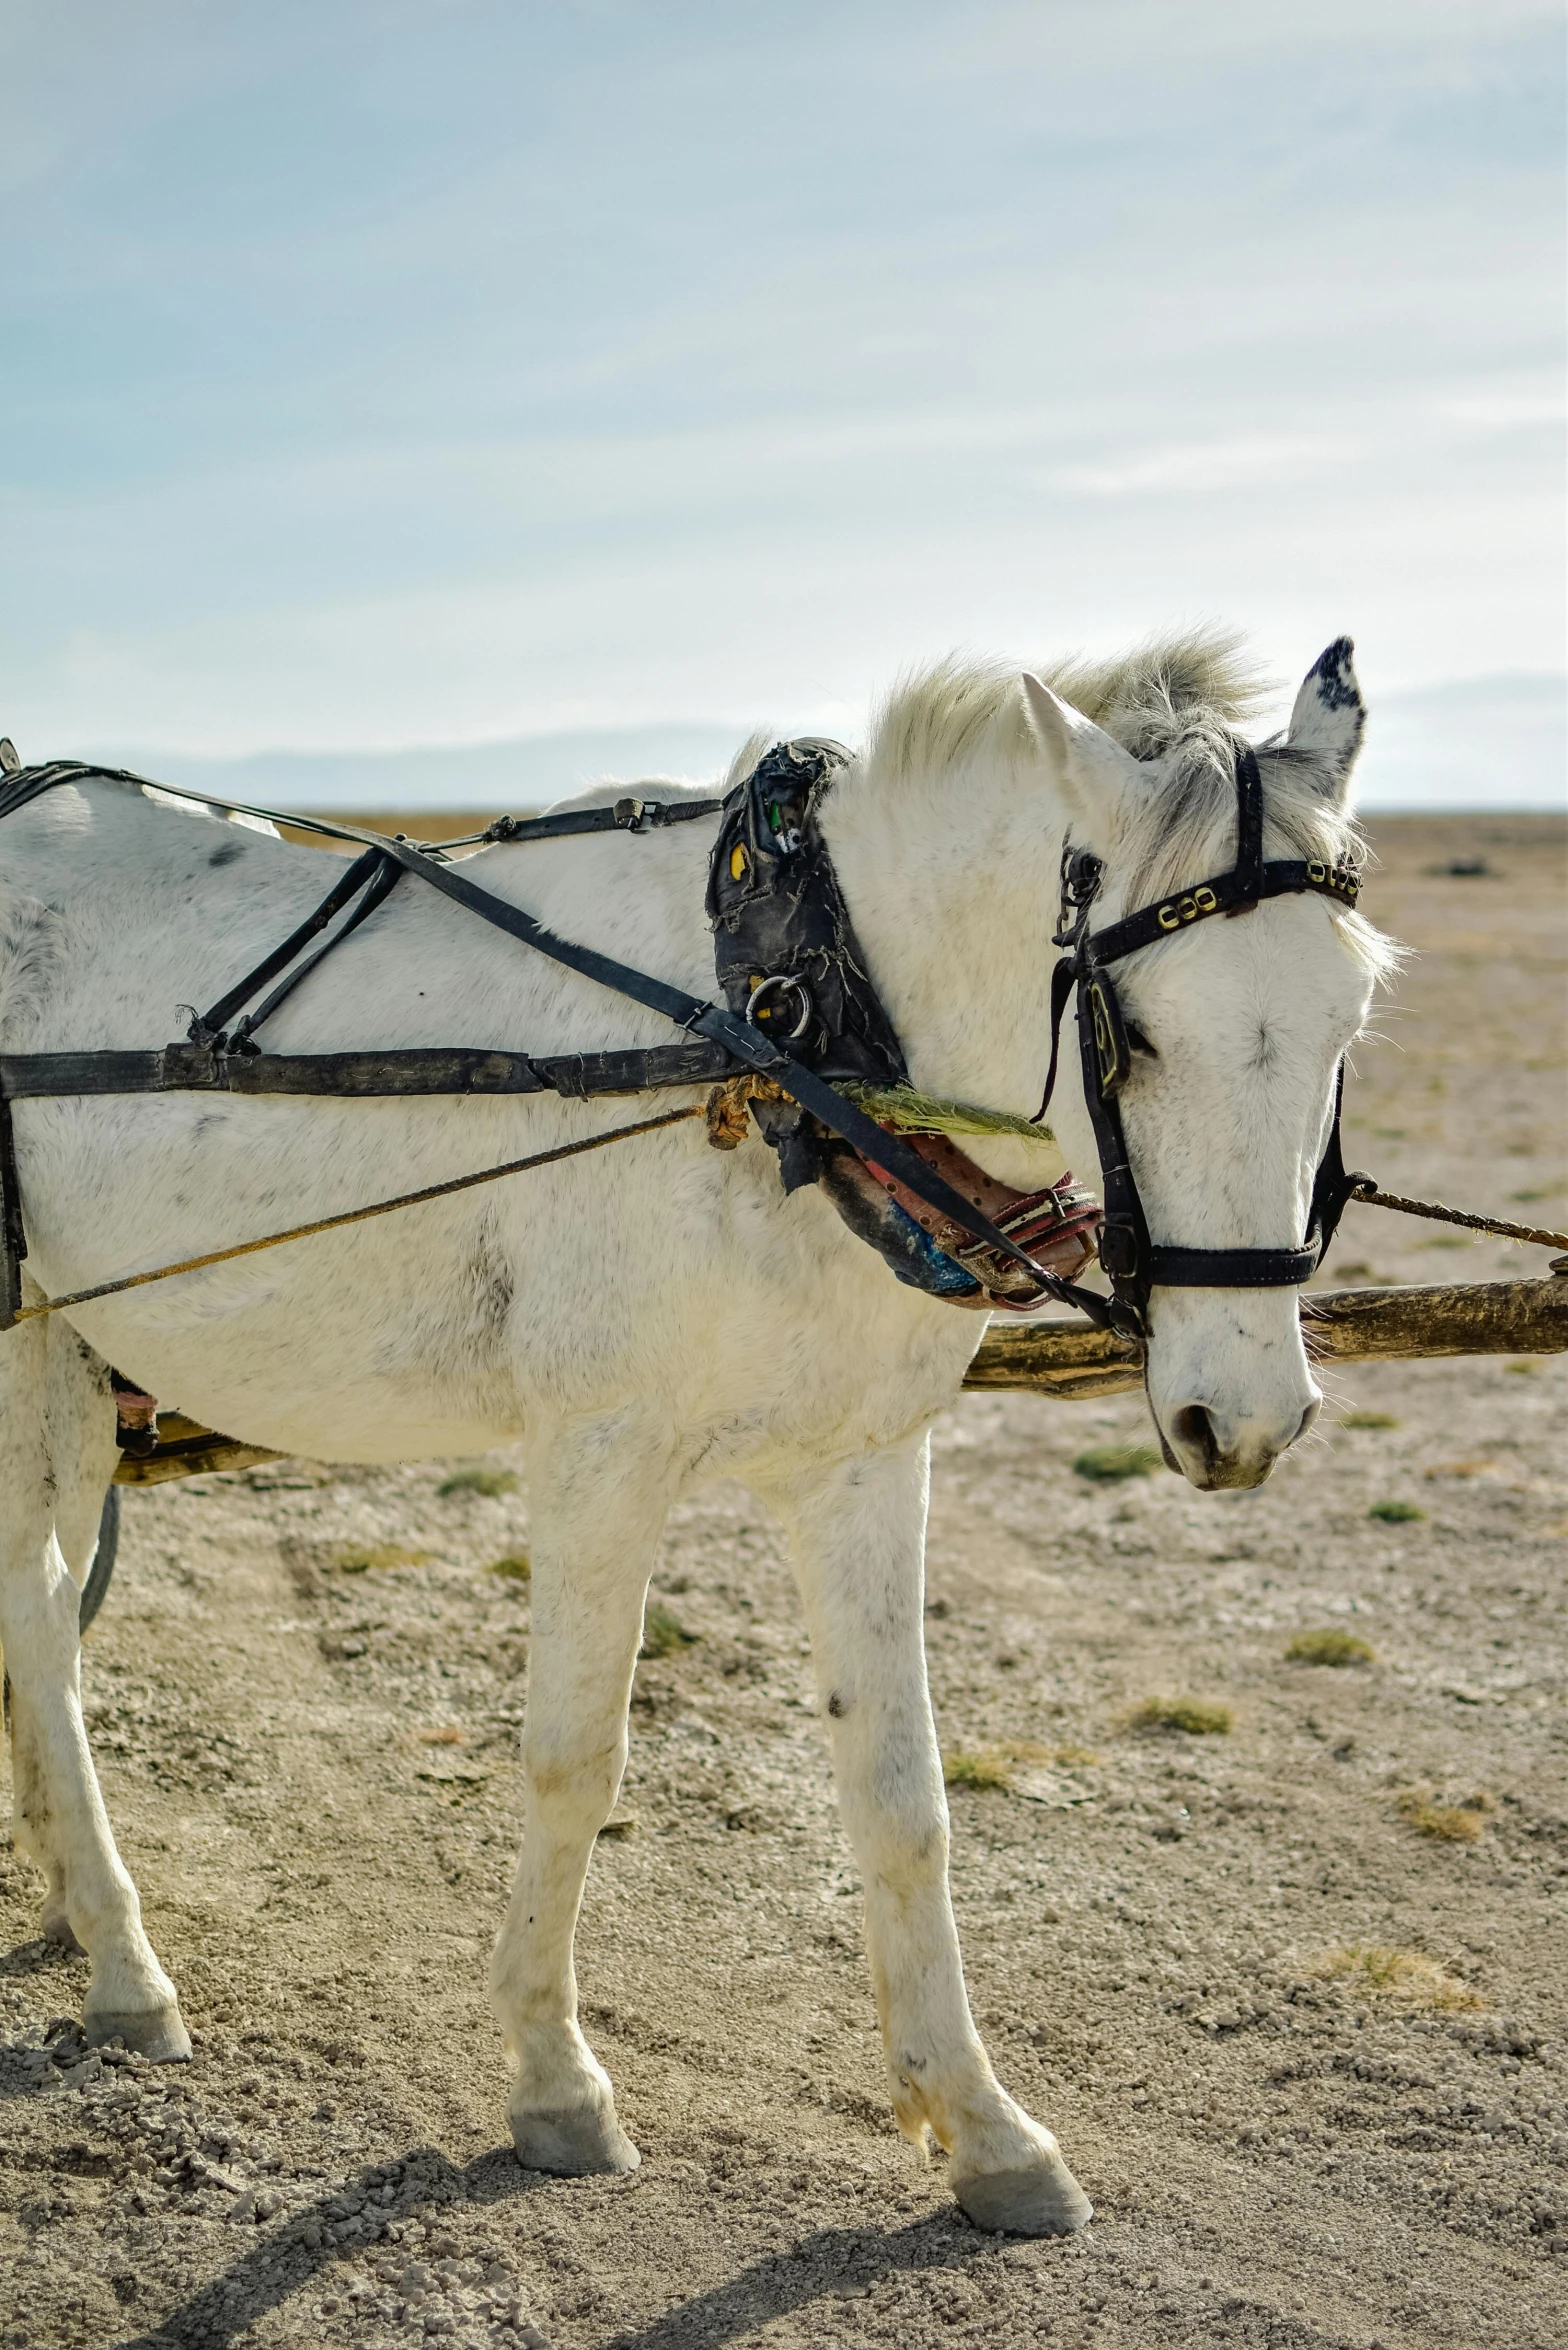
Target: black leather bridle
column 1134, row 1263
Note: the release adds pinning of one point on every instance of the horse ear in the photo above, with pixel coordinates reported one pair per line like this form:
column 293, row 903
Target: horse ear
column 1330, row 716
column 1091, row 765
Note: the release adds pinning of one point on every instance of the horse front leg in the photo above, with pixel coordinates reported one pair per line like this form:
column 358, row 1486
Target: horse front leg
column 56, row 1456
column 599, row 1495
column 858, row 1535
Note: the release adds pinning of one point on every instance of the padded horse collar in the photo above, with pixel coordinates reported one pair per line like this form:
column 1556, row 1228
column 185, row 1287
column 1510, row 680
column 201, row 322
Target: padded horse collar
column 790, row 965
column 1134, row 1263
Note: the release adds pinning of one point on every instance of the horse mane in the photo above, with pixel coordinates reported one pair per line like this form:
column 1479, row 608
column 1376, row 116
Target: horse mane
column 1181, row 699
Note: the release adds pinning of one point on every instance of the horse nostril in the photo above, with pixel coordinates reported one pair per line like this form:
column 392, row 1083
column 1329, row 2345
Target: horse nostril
column 1192, row 1426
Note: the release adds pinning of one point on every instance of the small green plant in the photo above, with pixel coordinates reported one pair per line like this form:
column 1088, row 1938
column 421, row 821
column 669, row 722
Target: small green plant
column 1396, row 1513
column 1376, row 1970
column 1328, row 1648
column 1107, row 1464
column 490, row 1482
column 517, row 1566
column 663, row 1633
column 1369, row 1420
column 359, row 1558
column 1195, row 1717
column 1524, row 1370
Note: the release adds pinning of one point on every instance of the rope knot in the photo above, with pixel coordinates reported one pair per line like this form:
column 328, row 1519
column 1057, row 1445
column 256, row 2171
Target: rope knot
column 729, row 1104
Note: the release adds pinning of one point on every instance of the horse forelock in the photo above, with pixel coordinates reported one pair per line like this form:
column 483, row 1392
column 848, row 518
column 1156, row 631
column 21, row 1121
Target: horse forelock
column 1179, row 704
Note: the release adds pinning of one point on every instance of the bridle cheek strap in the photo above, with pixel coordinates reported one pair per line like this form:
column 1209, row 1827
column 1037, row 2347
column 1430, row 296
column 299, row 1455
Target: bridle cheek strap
column 1134, row 1263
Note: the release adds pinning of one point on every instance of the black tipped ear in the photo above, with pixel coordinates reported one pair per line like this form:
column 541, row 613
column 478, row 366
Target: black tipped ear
column 1330, row 716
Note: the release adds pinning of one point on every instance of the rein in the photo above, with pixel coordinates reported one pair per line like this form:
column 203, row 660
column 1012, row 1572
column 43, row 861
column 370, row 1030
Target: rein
column 737, row 1040
column 383, row 1207
column 725, row 1045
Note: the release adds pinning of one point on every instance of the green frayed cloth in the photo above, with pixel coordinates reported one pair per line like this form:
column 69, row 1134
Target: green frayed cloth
column 912, row 1112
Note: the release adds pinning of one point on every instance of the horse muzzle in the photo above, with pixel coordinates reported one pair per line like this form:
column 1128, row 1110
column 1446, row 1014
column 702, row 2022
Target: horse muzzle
column 1221, row 1452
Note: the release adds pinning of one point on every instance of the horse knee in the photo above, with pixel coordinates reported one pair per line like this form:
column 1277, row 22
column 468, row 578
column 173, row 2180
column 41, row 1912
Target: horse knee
column 570, row 1781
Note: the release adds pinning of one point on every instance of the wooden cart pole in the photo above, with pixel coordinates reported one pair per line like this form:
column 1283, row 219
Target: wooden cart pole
column 1068, row 1359
column 1342, row 1325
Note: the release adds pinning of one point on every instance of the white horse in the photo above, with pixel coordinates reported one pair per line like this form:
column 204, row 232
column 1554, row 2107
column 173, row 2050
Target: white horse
column 660, row 1314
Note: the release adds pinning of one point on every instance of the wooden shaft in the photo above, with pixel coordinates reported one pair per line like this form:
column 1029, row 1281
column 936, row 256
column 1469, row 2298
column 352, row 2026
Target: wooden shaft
column 1070, row 1360
column 1342, row 1325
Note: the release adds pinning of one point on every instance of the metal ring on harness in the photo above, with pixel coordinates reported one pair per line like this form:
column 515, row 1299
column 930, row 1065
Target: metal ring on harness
column 798, row 987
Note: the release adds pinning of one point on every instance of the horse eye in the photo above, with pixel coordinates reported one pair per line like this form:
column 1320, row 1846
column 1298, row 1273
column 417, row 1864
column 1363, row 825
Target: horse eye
column 1137, row 1039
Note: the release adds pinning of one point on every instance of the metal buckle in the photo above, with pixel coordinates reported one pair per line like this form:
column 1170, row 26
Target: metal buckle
column 629, row 813
column 1082, row 875
column 1118, row 1251
column 796, row 986
column 1111, row 1048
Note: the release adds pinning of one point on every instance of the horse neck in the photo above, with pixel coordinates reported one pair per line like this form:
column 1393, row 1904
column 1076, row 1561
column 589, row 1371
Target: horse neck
column 951, row 883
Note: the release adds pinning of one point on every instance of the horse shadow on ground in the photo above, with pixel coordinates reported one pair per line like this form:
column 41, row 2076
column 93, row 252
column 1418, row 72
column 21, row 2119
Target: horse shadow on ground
column 822, row 2267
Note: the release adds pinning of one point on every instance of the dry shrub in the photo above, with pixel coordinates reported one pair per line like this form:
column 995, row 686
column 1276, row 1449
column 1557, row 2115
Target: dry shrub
column 1195, row 1717
column 663, row 1633
column 1369, row 1420
column 490, row 1482
column 997, row 1765
column 1329, row 1648
column 1107, row 1464
column 360, row 1558
column 1396, row 1513
column 1378, row 1971
column 978, row 1768
column 1450, row 1823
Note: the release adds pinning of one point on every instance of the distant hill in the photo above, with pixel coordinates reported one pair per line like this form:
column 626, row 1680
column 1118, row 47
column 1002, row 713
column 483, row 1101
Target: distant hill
column 1489, row 742
column 526, row 773
column 1485, row 742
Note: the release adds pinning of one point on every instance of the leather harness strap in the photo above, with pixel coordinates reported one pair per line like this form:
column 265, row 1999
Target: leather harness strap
column 1134, row 1262
column 747, row 1047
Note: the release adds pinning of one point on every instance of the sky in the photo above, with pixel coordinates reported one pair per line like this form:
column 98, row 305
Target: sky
column 478, row 373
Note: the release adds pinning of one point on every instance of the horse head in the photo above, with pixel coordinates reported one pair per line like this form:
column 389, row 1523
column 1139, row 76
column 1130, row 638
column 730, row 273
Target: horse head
column 1237, row 1026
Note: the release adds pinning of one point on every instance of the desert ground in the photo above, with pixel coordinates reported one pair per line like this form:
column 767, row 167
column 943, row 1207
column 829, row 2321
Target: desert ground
column 1276, row 1946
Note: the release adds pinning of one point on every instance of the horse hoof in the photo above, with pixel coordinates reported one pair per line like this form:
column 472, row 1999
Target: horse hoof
column 1045, row 2200
column 158, row 2033
column 573, row 2142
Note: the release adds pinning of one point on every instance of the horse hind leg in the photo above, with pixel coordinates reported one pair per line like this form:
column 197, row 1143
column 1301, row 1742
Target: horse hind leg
column 56, row 1458
column 88, row 1545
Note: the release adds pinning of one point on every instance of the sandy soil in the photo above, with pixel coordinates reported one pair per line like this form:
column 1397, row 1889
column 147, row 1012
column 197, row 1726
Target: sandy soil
column 1307, row 2055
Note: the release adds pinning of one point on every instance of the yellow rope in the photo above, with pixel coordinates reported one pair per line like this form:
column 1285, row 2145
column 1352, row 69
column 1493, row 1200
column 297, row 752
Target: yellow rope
column 384, row 1207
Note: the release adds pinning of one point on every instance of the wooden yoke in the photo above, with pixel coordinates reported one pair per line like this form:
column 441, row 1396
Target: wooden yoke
column 1340, row 1326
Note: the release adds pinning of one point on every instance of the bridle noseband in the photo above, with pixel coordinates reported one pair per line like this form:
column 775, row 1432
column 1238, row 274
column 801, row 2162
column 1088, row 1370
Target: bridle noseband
column 1133, row 1262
